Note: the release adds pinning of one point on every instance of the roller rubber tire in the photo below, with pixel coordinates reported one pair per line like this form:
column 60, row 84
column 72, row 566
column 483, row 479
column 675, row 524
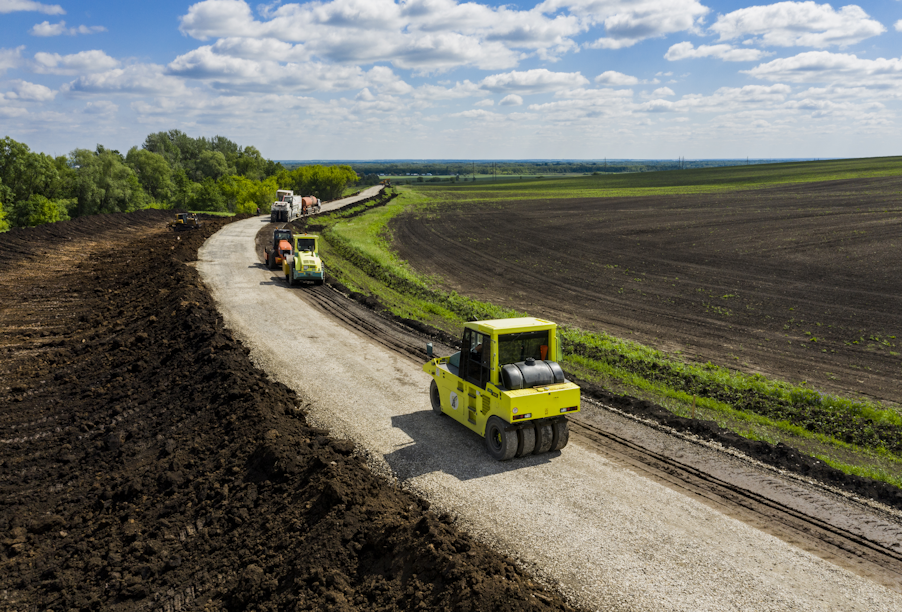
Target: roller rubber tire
column 499, row 443
column 544, row 435
column 526, row 441
column 435, row 397
column 561, row 435
column 271, row 262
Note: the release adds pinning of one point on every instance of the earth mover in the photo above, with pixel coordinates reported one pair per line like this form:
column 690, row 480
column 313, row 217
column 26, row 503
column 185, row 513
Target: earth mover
column 304, row 263
column 276, row 254
column 184, row 221
column 502, row 385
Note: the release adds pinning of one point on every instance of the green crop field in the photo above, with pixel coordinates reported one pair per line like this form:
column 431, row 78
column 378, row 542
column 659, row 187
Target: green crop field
column 704, row 180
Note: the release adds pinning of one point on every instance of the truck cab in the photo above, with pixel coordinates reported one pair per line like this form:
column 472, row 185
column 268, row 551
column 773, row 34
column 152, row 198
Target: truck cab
column 304, row 263
column 506, row 385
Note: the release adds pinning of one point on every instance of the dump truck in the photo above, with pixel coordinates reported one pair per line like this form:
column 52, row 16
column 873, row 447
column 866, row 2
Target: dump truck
column 284, row 209
column 280, row 249
column 184, row 221
column 503, row 385
column 304, row 263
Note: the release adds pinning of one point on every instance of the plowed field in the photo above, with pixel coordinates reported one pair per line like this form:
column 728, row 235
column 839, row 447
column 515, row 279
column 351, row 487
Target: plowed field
column 800, row 282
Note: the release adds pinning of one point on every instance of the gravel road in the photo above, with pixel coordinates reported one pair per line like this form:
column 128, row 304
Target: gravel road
column 609, row 538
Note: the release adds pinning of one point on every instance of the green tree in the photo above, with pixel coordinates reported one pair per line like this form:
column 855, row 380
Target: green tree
column 207, row 196
column 103, row 183
column 25, row 173
column 325, row 182
column 153, row 173
column 5, row 196
column 213, row 165
column 38, row 210
column 251, row 164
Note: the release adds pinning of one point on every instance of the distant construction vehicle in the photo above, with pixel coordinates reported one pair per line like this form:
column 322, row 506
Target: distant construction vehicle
column 503, row 386
column 304, row 263
column 284, row 208
column 280, row 249
column 184, row 221
column 308, row 205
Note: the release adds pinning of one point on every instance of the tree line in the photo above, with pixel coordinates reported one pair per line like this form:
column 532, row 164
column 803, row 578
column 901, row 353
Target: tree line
column 170, row 170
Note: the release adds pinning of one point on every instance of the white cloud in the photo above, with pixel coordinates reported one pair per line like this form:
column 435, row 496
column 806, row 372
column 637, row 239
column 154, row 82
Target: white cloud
column 424, row 35
column 537, row 80
column 46, row 28
column 657, row 106
column 10, row 58
column 663, row 91
column 235, row 73
column 898, row 26
column 365, row 95
column 133, row 79
column 101, row 107
column 798, row 24
column 478, row 113
column 77, row 63
column 30, row 92
column 730, row 99
column 485, row 102
column 827, row 67
column 511, row 100
column 617, row 79
column 627, row 22
column 727, row 53
column 12, row 6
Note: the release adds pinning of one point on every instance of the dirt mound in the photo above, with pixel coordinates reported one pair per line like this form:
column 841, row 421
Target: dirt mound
column 146, row 464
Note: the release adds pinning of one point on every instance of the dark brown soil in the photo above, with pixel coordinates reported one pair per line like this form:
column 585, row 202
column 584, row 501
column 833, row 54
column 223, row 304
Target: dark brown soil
column 146, row 464
column 798, row 282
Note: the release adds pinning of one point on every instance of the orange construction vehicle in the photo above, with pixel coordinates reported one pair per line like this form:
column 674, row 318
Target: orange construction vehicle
column 280, row 249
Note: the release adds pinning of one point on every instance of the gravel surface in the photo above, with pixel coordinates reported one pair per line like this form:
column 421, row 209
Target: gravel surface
column 609, row 538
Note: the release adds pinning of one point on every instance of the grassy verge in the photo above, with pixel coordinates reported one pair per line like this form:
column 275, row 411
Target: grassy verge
column 856, row 436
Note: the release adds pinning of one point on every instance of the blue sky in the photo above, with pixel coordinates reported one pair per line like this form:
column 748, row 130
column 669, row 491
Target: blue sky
column 380, row 79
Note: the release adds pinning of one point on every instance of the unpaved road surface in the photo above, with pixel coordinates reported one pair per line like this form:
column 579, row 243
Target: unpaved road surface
column 608, row 537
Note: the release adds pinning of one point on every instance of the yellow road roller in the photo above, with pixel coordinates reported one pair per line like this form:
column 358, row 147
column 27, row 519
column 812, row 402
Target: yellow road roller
column 506, row 385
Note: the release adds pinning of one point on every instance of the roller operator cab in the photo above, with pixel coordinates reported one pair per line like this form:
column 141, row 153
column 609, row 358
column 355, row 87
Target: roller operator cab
column 304, row 263
column 506, row 385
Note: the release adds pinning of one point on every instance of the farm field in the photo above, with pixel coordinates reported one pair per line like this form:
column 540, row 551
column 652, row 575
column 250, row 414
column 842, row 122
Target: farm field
column 797, row 281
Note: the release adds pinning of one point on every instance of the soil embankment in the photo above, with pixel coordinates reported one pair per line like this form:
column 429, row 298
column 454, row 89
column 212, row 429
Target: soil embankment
column 146, row 464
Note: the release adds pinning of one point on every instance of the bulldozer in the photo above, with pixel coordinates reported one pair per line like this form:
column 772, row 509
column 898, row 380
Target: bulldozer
column 276, row 254
column 184, row 221
column 503, row 386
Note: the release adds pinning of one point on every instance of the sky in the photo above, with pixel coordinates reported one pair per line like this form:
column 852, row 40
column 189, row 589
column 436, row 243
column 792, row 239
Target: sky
column 444, row 79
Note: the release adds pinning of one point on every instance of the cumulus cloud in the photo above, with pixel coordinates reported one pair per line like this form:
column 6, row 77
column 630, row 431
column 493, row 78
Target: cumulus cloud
column 425, row 35
column 77, row 63
column 46, row 28
column 236, row 73
column 827, row 67
column 727, row 53
column 511, row 100
column 627, row 22
column 10, row 58
column 485, row 102
column 12, row 6
column 478, row 113
column 30, row 92
column 617, row 79
column 662, row 91
column 533, row 81
column 101, row 107
column 898, row 26
column 133, row 79
column 798, row 24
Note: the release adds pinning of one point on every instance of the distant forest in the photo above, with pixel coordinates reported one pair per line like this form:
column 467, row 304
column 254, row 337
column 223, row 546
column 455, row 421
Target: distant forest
column 170, row 170
column 372, row 170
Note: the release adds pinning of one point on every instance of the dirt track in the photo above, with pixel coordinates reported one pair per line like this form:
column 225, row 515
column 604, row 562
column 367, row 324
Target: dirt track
column 146, row 465
column 581, row 520
column 799, row 282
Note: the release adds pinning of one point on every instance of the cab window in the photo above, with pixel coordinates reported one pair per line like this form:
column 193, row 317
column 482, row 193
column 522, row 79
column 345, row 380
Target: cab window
column 518, row 347
column 474, row 358
column 306, row 244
